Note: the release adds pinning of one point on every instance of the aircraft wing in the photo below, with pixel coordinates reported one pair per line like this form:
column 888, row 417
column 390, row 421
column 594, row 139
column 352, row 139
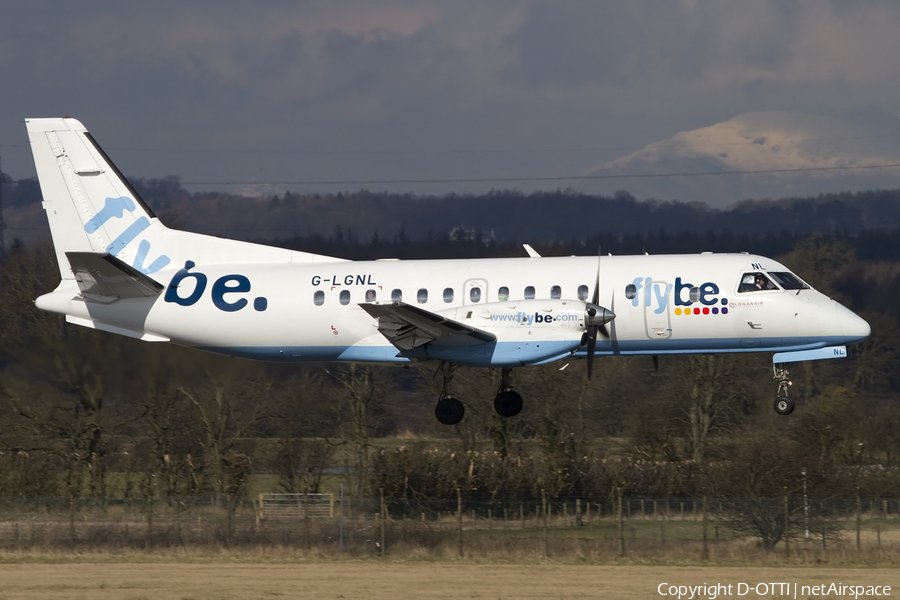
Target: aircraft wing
column 408, row 327
column 104, row 278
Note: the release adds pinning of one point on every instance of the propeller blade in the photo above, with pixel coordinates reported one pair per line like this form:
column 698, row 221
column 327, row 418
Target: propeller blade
column 591, row 346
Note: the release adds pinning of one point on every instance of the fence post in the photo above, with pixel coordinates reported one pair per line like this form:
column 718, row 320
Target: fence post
column 578, row 521
column 705, row 553
column 306, row 518
column 787, row 526
column 341, row 522
column 858, row 518
column 621, row 525
column 383, row 519
column 459, row 519
column 545, row 511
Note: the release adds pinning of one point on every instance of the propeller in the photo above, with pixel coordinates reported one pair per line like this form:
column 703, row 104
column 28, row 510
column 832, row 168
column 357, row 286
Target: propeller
column 595, row 317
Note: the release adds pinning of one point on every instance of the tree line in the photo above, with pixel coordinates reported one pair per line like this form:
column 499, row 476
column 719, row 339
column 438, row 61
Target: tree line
column 505, row 215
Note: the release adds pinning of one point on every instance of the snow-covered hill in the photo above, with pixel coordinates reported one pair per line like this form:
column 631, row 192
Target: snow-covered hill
column 798, row 154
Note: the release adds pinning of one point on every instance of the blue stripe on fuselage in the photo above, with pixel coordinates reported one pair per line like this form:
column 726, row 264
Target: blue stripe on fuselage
column 512, row 354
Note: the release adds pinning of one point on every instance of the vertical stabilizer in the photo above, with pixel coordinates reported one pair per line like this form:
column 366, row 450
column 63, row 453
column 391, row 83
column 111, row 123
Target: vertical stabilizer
column 91, row 207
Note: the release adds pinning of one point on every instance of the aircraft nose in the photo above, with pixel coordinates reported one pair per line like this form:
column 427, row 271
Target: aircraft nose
column 852, row 325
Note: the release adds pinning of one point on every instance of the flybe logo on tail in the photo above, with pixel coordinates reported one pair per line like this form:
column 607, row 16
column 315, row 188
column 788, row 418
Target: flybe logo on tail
column 115, row 208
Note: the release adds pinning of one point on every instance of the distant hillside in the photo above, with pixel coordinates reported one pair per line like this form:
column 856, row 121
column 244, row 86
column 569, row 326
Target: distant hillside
column 781, row 153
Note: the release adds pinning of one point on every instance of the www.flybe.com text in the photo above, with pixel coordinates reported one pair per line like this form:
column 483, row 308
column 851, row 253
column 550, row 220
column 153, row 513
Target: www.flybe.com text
column 530, row 319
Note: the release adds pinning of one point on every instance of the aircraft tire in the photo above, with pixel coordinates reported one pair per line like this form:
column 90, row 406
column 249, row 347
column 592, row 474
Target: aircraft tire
column 449, row 411
column 784, row 406
column 508, row 403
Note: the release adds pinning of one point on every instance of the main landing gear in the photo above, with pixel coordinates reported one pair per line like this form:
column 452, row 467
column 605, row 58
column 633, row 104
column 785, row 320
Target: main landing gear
column 783, row 404
column 450, row 411
column 508, row 403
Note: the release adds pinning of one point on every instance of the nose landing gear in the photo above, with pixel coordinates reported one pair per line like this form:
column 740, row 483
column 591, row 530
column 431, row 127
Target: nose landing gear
column 783, row 404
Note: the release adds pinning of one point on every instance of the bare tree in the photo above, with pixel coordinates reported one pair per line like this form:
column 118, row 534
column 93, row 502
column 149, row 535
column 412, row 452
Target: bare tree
column 226, row 408
column 359, row 413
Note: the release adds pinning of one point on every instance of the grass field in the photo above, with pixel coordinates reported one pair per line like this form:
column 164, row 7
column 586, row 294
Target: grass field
column 231, row 576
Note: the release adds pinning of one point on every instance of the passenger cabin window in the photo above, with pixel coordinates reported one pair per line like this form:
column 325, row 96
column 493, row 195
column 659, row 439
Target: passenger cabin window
column 755, row 282
column 556, row 292
column 503, row 294
column 448, row 295
column 345, row 296
column 475, row 295
column 319, row 298
column 529, row 292
column 630, row 291
column 370, row 295
column 583, row 292
column 396, row 296
column 788, row 281
column 422, row 296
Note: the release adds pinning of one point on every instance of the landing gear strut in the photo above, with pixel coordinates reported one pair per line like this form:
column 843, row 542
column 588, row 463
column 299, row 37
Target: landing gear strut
column 508, row 403
column 449, row 410
column 783, row 404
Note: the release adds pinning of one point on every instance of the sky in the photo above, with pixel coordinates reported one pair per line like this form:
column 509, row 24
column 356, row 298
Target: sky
column 426, row 97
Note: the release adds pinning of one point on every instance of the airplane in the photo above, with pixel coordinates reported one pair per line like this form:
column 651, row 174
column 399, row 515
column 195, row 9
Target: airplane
column 122, row 271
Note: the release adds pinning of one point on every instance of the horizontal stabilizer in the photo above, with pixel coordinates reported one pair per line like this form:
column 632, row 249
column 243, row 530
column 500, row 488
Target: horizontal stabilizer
column 408, row 327
column 104, row 278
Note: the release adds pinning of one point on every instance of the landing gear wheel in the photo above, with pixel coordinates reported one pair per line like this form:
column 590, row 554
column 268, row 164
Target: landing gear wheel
column 508, row 403
column 449, row 411
column 784, row 406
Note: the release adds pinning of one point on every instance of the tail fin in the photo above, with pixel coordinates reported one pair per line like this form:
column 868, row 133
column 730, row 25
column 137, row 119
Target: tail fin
column 91, row 207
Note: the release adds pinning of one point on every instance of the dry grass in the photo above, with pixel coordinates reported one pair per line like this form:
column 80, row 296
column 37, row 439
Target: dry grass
column 236, row 576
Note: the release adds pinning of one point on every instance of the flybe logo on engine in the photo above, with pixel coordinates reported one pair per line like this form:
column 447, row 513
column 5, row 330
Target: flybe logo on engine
column 656, row 296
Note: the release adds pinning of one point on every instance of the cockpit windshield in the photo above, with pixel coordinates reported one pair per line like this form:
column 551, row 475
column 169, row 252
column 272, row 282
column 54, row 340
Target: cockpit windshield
column 756, row 282
column 789, row 281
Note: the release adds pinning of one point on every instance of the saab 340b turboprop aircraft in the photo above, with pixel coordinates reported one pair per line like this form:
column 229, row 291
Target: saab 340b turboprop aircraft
column 124, row 272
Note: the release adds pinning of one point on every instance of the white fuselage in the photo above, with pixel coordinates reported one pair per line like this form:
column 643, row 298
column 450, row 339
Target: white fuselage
column 311, row 312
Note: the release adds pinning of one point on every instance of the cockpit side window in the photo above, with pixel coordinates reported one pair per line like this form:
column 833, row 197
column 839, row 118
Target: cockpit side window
column 789, row 281
column 756, row 282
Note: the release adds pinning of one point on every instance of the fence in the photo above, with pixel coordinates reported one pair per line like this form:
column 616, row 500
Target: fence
column 294, row 506
column 597, row 528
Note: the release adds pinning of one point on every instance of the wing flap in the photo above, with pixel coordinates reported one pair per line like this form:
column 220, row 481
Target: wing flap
column 408, row 327
column 104, row 278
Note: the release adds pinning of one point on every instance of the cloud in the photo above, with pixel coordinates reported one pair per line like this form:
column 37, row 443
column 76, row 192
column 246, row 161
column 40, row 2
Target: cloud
column 443, row 81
